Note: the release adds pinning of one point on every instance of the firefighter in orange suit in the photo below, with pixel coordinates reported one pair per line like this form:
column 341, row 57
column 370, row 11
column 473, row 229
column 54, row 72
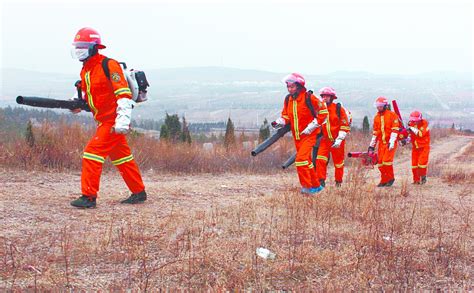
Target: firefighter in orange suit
column 419, row 135
column 386, row 129
column 304, row 127
column 335, row 130
column 109, row 99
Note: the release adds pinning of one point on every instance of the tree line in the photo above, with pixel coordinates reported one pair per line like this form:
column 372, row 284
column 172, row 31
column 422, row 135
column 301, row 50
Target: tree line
column 172, row 128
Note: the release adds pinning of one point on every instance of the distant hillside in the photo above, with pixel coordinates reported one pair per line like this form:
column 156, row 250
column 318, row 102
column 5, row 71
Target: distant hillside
column 211, row 94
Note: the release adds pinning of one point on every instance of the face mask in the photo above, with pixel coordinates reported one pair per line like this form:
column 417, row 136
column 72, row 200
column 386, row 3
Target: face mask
column 81, row 54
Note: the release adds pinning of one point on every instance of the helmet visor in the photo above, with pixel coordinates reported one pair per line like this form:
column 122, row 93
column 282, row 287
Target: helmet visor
column 82, row 45
column 380, row 104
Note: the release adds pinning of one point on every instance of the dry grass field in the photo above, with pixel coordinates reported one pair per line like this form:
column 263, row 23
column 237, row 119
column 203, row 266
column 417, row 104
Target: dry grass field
column 200, row 231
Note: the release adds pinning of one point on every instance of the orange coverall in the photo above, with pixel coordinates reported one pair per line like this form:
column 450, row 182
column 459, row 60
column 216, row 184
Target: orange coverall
column 330, row 132
column 297, row 113
column 385, row 124
column 420, row 150
column 101, row 94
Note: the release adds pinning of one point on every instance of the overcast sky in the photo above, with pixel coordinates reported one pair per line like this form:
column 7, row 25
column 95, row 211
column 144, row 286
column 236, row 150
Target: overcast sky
column 282, row 36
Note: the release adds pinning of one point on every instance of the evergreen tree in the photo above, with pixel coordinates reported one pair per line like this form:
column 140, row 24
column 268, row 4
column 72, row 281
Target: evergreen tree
column 185, row 134
column 30, row 138
column 264, row 132
column 171, row 129
column 365, row 125
column 229, row 137
column 164, row 132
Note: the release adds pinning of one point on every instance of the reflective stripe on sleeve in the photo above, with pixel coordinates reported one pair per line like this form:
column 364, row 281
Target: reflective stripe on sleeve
column 123, row 90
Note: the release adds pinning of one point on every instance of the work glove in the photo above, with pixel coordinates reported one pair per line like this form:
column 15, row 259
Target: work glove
column 403, row 142
column 414, row 130
column 371, row 150
column 372, row 144
column 279, row 123
column 392, row 141
column 340, row 137
column 311, row 127
column 124, row 115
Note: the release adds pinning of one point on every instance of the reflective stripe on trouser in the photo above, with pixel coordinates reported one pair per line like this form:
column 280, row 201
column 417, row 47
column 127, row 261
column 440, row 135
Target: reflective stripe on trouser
column 419, row 162
column 385, row 162
column 105, row 144
column 304, row 166
column 337, row 155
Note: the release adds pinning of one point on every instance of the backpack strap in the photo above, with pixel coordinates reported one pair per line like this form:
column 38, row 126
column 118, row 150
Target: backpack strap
column 309, row 104
column 338, row 110
column 105, row 67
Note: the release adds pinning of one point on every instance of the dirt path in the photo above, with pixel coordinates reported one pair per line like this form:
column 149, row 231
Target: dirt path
column 447, row 149
column 446, row 153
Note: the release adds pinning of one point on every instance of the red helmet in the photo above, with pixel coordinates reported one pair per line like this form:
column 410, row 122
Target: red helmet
column 328, row 91
column 415, row 116
column 87, row 36
column 381, row 102
column 294, row 78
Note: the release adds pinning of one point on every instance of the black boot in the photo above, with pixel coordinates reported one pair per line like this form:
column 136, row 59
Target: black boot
column 338, row 184
column 423, row 180
column 389, row 183
column 381, row 184
column 84, row 202
column 135, row 198
column 322, row 182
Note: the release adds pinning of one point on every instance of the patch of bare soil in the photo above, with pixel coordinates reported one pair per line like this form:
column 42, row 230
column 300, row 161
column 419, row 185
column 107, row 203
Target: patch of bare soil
column 201, row 231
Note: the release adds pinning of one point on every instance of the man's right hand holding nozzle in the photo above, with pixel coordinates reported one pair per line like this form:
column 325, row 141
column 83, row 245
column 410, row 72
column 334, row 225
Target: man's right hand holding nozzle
column 75, row 97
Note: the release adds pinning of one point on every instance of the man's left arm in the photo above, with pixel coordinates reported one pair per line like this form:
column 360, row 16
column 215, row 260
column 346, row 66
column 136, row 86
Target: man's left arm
column 123, row 95
column 395, row 129
column 344, row 129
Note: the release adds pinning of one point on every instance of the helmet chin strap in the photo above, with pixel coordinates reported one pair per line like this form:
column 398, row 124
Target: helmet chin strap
column 93, row 50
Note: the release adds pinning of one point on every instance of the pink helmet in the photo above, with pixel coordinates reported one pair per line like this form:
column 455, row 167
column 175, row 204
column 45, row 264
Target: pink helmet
column 415, row 116
column 328, row 91
column 381, row 101
column 294, row 78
